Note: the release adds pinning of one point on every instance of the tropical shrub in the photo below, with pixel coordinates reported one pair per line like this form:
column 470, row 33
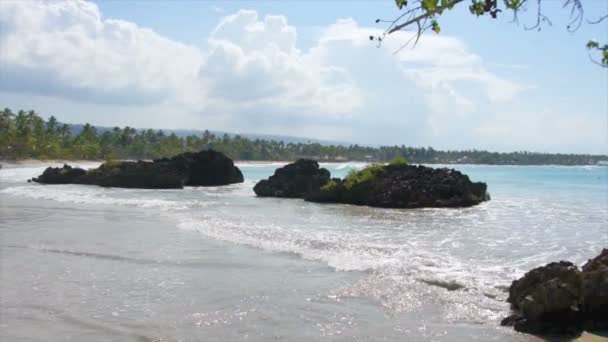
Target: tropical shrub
column 329, row 185
column 354, row 177
column 398, row 160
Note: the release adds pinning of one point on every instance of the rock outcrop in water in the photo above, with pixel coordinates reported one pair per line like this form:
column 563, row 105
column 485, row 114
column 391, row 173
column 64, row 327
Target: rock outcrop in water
column 60, row 175
column 404, row 186
column 558, row 298
column 204, row 168
column 293, row 180
column 388, row 186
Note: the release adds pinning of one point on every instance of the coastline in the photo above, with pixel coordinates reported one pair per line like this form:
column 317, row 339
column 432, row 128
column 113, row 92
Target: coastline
column 275, row 162
column 47, row 161
column 80, row 161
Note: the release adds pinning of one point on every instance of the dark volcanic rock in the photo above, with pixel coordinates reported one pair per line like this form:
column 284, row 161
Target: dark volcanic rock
column 140, row 174
column 548, row 298
column 558, row 298
column 62, row 175
column 293, row 180
column 539, row 277
column 406, row 186
column 597, row 263
column 389, row 186
column 594, row 299
column 205, row 168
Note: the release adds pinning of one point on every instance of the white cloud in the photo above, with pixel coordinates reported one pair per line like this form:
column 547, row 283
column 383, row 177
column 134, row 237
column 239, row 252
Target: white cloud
column 573, row 131
column 66, row 49
column 251, row 34
column 434, row 92
column 256, row 63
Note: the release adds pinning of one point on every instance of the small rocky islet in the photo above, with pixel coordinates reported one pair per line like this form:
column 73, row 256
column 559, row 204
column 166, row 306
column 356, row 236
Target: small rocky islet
column 555, row 299
column 391, row 186
column 204, row 168
column 398, row 185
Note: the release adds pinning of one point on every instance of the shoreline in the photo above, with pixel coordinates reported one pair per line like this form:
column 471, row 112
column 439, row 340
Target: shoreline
column 259, row 162
column 277, row 162
column 37, row 162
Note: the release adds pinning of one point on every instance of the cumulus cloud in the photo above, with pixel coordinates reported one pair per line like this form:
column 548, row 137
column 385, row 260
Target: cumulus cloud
column 67, row 49
column 254, row 62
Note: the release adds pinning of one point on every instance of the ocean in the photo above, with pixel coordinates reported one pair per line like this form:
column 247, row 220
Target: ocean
column 84, row 263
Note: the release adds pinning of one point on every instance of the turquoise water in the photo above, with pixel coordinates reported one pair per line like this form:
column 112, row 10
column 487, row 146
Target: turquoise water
column 221, row 264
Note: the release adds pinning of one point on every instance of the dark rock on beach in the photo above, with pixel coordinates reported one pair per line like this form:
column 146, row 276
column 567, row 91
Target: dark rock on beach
column 140, row 174
column 388, row 186
column 405, row 186
column 293, row 180
column 558, row 298
column 204, row 168
column 594, row 300
column 594, row 293
column 548, row 299
column 60, row 175
column 598, row 263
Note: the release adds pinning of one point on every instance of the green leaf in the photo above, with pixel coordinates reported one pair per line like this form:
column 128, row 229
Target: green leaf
column 592, row 44
column 512, row 4
column 477, row 7
column 401, row 3
column 429, row 5
column 435, row 26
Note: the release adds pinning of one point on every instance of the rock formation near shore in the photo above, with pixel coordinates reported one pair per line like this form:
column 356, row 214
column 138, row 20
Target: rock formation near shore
column 388, row 186
column 405, row 186
column 293, row 180
column 63, row 175
column 558, row 298
column 204, row 168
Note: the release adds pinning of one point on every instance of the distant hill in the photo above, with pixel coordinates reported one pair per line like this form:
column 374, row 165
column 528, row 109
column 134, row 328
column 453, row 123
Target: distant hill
column 182, row 133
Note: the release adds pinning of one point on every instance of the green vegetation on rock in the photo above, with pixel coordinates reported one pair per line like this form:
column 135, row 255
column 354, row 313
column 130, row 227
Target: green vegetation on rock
column 329, row 185
column 398, row 160
column 354, row 177
column 111, row 164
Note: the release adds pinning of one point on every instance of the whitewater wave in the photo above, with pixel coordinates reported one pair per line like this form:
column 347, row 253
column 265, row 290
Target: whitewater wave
column 272, row 237
column 260, row 164
column 99, row 196
column 343, row 166
column 345, row 251
column 21, row 173
column 244, row 189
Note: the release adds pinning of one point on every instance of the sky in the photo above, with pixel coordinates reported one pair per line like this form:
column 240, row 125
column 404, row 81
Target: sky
column 307, row 68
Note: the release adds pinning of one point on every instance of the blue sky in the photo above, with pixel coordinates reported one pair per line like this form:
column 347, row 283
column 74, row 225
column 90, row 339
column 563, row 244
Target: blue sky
column 306, row 68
